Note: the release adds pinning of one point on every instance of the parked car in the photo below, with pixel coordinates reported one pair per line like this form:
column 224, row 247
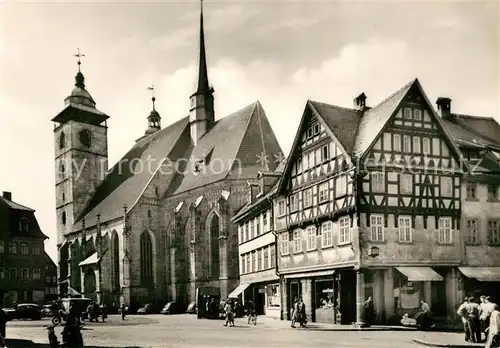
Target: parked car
column 147, row 309
column 24, row 311
column 191, row 308
column 173, row 307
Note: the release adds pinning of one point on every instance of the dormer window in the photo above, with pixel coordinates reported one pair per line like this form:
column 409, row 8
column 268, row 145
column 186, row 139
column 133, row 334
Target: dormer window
column 23, row 225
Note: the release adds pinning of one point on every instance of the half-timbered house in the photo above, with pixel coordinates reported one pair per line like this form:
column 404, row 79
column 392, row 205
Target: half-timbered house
column 370, row 205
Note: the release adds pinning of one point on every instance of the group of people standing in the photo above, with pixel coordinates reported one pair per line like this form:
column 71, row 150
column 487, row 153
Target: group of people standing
column 479, row 318
column 94, row 311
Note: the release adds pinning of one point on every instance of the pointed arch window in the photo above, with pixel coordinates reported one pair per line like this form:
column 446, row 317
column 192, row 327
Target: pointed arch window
column 63, row 218
column 146, row 260
column 62, row 141
column 214, row 247
column 115, row 247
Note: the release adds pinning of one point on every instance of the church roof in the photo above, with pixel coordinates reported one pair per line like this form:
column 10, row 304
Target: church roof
column 233, row 142
column 126, row 180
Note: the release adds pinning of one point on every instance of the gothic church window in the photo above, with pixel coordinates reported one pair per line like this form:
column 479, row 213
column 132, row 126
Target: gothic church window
column 63, row 218
column 146, row 259
column 116, row 262
column 214, row 247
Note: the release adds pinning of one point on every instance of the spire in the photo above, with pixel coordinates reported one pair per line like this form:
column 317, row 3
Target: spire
column 79, row 79
column 203, row 85
column 154, row 119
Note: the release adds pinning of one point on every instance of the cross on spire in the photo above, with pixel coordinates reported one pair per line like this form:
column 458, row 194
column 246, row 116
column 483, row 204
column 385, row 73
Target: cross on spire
column 79, row 56
column 152, row 89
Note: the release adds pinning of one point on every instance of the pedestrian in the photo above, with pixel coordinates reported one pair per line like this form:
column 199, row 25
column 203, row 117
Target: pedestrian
column 473, row 320
column 302, row 313
column 229, row 313
column 493, row 338
column 122, row 310
column 3, row 322
column 462, row 312
column 487, row 307
column 104, row 312
column 295, row 312
column 369, row 311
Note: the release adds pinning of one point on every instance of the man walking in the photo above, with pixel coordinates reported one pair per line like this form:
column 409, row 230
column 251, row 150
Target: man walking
column 462, row 312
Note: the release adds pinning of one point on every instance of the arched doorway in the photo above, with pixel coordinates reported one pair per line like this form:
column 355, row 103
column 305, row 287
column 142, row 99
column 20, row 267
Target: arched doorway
column 89, row 283
column 214, row 247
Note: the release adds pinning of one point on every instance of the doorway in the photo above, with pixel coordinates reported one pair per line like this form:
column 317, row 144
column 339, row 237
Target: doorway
column 295, row 291
column 260, row 300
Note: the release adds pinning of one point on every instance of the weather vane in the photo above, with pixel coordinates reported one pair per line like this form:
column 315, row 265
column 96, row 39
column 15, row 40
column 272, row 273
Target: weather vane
column 79, row 56
column 152, row 89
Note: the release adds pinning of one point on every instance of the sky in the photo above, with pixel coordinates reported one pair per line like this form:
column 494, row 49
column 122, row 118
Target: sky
column 279, row 52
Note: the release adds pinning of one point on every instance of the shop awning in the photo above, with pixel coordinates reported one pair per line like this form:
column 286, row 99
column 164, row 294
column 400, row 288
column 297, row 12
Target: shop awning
column 329, row 272
column 420, row 274
column 238, row 290
column 483, row 274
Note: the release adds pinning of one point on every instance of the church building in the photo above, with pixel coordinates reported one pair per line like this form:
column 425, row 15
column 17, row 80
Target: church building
column 156, row 225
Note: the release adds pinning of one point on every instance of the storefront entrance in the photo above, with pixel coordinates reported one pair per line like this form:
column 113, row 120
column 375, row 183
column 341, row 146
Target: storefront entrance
column 295, row 291
column 260, row 299
column 346, row 281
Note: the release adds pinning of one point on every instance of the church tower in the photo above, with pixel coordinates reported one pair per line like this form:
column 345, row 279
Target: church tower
column 201, row 112
column 81, row 154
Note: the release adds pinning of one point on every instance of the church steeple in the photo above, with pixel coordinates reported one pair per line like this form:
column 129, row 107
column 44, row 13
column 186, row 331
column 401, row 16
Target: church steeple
column 201, row 112
column 154, row 119
column 203, row 85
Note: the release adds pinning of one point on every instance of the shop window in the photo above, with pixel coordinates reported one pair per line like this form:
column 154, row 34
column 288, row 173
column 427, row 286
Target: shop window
column 273, row 296
column 407, row 295
column 324, row 294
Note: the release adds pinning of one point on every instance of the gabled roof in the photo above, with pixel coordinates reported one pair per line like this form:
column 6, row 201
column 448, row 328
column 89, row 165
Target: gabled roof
column 125, row 182
column 484, row 130
column 343, row 122
column 14, row 205
column 374, row 119
column 231, row 149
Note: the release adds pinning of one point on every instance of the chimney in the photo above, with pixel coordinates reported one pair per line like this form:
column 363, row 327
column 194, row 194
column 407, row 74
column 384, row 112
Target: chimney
column 7, row 195
column 253, row 190
column 444, row 107
column 360, row 102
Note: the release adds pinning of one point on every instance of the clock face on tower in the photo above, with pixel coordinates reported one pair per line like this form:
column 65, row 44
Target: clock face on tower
column 85, row 137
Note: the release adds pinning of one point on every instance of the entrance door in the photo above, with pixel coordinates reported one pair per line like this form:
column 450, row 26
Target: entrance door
column 348, row 297
column 260, row 299
column 438, row 296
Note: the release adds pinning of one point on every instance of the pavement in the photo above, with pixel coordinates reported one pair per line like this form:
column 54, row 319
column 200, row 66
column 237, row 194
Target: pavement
column 445, row 339
column 160, row 331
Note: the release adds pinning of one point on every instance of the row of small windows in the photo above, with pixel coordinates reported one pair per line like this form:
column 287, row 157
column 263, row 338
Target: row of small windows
column 310, row 235
column 323, row 189
column 492, row 231
column 313, row 158
column 406, row 183
column 14, row 273
column 313, row 130
column 51, row 279
column 405, row 229
column 471, row 191
column 416, row 144
column 22, row 247
column 412, row 114
column 258, row 260
column 254, row 227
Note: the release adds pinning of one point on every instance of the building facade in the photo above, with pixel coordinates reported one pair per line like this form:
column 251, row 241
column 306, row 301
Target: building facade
column 21, row 254
column 373, row 203
column 157, row 225
column 51, row 287
column 259, row 280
